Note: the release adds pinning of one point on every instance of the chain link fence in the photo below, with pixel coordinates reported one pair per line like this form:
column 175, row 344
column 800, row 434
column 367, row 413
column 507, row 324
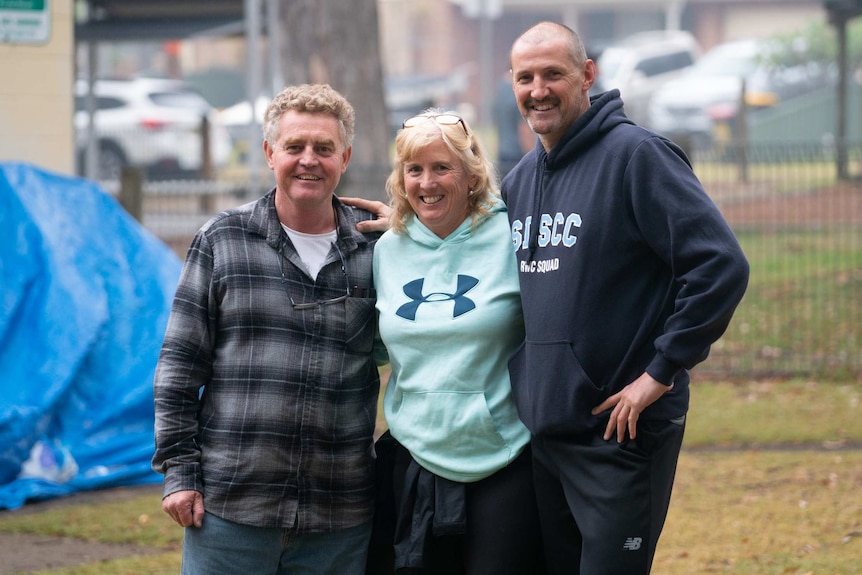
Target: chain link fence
column 797, row 221
column 800, row 225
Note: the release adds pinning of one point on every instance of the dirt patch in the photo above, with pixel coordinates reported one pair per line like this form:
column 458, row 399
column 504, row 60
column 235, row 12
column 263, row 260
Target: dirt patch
column 25, row 553
column 753, row 205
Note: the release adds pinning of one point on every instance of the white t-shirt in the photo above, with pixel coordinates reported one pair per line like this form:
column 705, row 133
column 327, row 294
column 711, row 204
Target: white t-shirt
column 312, row 248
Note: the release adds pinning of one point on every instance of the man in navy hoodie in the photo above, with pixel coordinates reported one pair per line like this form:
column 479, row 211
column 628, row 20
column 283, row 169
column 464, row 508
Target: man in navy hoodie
column 628, row 274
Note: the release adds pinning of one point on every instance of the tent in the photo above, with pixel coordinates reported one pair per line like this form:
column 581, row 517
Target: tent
column 85, row 293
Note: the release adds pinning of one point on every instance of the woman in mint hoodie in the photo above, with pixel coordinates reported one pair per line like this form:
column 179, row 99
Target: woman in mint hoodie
column 449, row 314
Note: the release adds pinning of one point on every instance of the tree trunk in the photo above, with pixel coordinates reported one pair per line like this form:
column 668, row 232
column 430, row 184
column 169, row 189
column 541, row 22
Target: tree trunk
column 336, row 42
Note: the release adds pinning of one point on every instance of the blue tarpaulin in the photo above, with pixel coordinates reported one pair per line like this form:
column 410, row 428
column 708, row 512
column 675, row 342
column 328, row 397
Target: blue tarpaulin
column 85, row 293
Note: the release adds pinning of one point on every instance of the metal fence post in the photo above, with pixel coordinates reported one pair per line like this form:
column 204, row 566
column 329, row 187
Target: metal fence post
column 741, row 135
column 207, row 172
column 206, row 154
column 132, row 191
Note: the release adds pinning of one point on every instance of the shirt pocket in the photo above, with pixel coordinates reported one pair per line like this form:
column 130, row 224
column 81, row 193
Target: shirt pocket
column 360, row 324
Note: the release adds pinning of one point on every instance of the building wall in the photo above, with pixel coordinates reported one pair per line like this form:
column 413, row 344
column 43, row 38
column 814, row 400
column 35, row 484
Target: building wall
column 716, row 22
column 36, row 102
column 753, row 21
column 416, row 37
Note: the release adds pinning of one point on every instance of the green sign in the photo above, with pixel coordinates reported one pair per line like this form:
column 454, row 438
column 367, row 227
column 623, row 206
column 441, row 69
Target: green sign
column 25, row 21
column 22, row 4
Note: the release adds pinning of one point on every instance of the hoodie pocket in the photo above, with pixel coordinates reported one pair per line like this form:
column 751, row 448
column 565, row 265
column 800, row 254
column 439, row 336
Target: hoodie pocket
column 553, row 393
column 449, row 432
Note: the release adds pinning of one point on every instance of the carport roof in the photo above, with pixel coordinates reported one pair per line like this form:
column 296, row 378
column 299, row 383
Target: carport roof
column 132, row 20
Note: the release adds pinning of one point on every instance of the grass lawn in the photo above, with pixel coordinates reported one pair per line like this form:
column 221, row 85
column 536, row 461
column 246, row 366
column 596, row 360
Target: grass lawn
column 765, row 513
column 740, row 506
column 800, row 313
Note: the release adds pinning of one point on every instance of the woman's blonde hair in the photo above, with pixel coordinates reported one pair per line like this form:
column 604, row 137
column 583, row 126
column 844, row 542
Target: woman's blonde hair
column 459, row 138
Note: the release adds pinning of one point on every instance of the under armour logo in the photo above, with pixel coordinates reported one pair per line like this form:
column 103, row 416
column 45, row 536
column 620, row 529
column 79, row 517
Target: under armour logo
column 413, row 290
column 633, row 543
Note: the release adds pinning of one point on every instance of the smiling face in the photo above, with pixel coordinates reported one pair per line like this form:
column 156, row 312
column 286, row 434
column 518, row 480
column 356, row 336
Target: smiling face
column 552, row 90
column 437, row 188
column 308, row 159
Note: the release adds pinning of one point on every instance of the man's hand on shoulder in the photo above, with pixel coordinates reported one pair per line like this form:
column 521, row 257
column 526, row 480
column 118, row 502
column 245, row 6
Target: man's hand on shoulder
column 379, row 209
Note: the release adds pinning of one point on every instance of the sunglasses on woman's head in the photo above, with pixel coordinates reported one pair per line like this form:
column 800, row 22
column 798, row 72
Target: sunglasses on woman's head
column 439, row 119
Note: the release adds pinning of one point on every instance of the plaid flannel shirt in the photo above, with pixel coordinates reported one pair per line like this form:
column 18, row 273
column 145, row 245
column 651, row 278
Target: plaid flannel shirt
column 268, row 410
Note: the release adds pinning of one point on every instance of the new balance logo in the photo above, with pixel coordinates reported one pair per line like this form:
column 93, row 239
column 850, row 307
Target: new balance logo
column 413, row 290
column 632, row 543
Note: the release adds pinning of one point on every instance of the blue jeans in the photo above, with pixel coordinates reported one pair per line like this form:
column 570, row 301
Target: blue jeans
column 220, row 547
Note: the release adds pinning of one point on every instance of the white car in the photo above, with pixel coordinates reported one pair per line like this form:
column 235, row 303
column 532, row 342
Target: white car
column 638, row 65
column 152, row 123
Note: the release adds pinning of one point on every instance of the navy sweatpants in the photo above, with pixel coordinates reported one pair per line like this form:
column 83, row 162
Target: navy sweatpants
column 602, row 505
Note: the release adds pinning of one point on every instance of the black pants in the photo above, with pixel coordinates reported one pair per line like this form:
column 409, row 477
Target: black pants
column 603, row 504
column 502, row 536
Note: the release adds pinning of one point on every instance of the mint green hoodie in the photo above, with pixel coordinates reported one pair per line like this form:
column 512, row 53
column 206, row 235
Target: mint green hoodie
column 450, row 317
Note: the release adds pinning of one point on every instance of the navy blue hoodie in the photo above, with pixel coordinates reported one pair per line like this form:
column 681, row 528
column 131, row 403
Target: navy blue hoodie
column 626, row 265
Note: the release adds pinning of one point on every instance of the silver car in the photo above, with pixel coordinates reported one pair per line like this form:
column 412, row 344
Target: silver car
column 690, row 108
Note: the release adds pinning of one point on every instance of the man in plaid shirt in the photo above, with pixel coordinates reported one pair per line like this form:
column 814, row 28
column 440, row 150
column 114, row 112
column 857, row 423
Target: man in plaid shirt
column 266, row 388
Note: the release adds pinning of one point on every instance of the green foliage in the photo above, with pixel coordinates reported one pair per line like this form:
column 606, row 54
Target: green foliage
column 817, row 43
